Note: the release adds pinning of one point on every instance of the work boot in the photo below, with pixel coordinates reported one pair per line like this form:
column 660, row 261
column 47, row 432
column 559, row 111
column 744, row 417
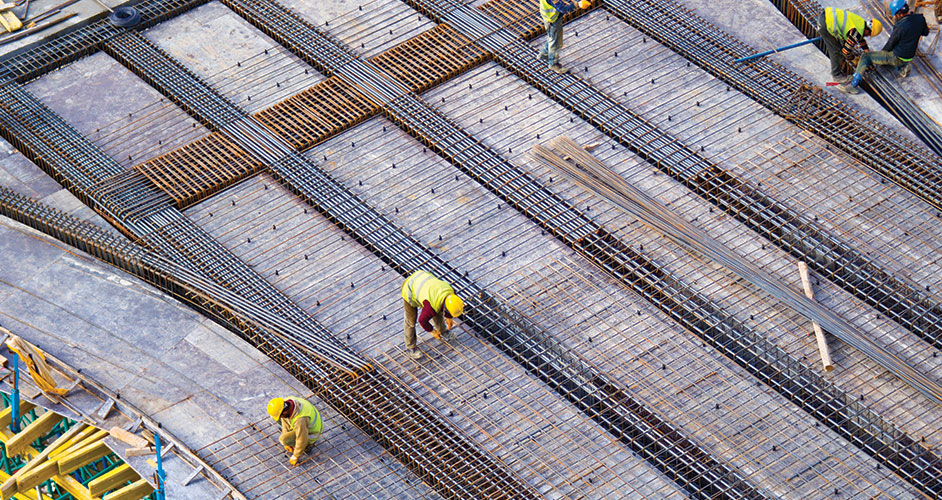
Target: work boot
column 543, row 56
column 904, row 71
column 848, row 89
column 558, row 69
column 843, row 78
column 414, row 353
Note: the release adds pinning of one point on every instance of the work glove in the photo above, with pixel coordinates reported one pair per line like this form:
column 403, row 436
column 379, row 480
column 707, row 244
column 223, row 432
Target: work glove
column 289, row 449
column 584, row 4
column 437, row 334
column 450, row 323
column 293, row 460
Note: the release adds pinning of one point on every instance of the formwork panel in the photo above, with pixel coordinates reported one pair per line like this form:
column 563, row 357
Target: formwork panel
column 115, row 110
column 233, row 57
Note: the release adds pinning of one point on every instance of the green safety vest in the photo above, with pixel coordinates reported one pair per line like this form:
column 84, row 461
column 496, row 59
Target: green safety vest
column 305, row 409
column 422, row 286
column 548, row 12
column 838, row 20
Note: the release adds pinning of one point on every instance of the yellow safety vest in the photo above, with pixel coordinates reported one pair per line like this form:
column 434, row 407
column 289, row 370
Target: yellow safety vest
column 303, row 408
column 422, row 286
column 548, row 12
column 838, row 20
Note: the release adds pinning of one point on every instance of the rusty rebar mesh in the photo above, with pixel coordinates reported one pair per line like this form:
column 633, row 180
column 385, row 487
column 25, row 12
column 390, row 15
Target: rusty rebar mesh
column 344, row 463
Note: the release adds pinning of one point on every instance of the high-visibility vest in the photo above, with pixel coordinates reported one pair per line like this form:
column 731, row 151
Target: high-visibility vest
column 303, row 408
column 548, row 12
column 840, row 21
column 422, row 286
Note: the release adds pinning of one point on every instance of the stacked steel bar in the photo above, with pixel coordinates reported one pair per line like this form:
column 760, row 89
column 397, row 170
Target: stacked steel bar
column 897, row 158
column 590, row 389
column 804, row 15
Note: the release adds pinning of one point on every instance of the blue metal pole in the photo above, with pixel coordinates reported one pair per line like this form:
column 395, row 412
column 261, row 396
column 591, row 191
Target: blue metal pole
column 786, row 47
column 15, row 409
column 160, row 468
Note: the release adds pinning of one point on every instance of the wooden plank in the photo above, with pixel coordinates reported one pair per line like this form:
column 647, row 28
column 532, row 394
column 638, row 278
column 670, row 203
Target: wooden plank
column 67, row 483
column 83, row 456
column 37, row 475
column 128, row 437
column 35, row 430
column 818, row 332
column 10, row 485
column 112, row 479
column 135, row 491
column 98, row 435
column 6, row 417
column 140, row 452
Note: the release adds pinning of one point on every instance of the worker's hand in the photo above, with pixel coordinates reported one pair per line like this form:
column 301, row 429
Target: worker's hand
column 293, row 460
column 289, row 449
column 584, row 4
column 450, row 323
column 437, row 334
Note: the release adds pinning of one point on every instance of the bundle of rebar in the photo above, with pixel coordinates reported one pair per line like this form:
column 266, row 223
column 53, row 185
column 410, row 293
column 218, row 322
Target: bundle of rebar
column 587, row 171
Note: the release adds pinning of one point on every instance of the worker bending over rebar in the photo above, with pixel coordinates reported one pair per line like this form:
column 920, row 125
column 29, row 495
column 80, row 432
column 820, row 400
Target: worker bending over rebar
column 552, row 12
column 899, row 50
column 438, row 303
column 842, row 31
column 300, row 425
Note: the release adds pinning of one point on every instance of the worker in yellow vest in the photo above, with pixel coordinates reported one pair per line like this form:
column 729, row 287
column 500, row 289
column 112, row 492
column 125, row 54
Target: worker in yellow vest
column 842, row 31
column 300, row 425
column 438, row 303
column 552, row 12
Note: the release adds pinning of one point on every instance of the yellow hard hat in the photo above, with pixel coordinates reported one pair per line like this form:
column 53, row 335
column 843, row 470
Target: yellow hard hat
column 876, row 27
column 275, row 407
column 454, row 305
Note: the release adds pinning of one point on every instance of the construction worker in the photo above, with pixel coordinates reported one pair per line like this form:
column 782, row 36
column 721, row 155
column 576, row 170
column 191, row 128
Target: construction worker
column 899, row 50
column 552, row 13
column 842, row 31
column 300, row 425
column 438, row 302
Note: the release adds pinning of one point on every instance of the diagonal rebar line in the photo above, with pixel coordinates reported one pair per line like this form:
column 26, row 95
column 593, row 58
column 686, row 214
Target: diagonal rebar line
column 588, row 388
column 416, row 434
column 35, row 61
column 792, row 232
column 830, row 405
column 803, row 15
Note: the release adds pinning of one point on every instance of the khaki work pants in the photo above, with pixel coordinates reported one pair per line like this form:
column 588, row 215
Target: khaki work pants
column 411, row 314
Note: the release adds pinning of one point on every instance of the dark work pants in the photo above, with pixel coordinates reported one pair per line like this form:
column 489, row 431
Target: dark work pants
column 834, row 46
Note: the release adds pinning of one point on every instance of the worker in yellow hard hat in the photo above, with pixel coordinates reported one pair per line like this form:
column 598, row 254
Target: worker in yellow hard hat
column 300, row 425
column 842, row 32
column 552, row 11
column 438, row 303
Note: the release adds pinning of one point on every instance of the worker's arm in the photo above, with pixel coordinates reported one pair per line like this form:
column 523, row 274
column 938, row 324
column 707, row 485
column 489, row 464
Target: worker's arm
column 300, row 436
column 426, row 316
column 853, row 40
column 563, row 6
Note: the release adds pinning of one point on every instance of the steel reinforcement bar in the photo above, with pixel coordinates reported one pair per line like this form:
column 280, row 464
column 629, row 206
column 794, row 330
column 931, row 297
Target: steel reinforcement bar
column 803, row 14
column 431, row 447
column 873, row 144
column 36, row 61
column 587, row 387
column 830, row 405
column 384, row 409
column 793, row 233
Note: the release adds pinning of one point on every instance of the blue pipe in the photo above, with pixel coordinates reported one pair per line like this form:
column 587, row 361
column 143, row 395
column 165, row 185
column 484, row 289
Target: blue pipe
column 160, row 469
column 792, row 46
column 15, row 409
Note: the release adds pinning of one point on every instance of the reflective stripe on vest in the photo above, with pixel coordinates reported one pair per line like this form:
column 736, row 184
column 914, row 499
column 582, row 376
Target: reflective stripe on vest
column 837, row 20
column 305, row 409
column 422, row 286
column 548, row 12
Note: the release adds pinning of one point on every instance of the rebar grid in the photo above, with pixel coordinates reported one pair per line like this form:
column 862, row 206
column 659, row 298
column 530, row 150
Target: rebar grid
column 736, row 419
column 345, row 463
